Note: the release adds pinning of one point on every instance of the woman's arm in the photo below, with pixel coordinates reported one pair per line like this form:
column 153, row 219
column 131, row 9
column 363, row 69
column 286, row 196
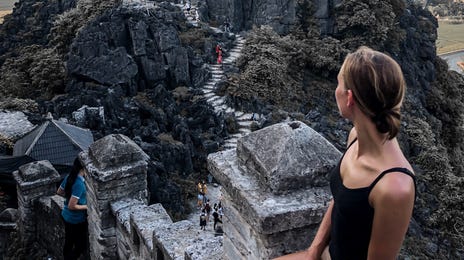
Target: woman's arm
column 393, row 201
column 321, row 240
column 60, row 191
column 72, row 204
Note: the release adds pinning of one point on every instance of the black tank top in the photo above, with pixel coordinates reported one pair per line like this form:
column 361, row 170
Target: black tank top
column 352, row 216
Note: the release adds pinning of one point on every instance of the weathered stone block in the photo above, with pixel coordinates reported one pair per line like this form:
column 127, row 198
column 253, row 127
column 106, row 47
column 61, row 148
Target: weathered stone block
column 287, row 157
column 211, row 249
column 267, row 212
column 166, row 238
column 36, row 175
column 113, row 151
column 122, row 209
column 253, row 245
column 144, row 222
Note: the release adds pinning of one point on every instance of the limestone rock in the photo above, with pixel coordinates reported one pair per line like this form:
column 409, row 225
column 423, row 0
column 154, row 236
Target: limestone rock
column 287, row 157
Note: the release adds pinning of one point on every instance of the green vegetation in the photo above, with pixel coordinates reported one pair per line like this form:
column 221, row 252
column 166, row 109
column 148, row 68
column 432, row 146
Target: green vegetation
column 450, row 37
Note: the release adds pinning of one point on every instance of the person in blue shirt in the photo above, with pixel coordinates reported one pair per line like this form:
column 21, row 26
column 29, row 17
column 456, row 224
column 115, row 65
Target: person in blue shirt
column 74, row 211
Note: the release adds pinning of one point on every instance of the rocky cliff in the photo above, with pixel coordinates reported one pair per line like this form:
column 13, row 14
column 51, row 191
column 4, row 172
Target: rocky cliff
column 144, row 70
column 300, row 68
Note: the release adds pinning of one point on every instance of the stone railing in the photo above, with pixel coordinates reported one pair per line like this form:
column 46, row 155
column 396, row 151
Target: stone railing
column 274, row 186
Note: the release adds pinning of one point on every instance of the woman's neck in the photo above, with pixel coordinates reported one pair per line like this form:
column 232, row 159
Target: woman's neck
column 370, row 141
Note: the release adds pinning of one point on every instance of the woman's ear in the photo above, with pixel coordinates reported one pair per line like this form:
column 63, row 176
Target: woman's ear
column 350, row 98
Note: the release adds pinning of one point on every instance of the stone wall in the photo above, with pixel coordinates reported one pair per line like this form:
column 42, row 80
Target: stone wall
column 275, row 194
column 50, row 226
column 275, row 190
column 6, row 228
column 34, row 180
column 117, row 169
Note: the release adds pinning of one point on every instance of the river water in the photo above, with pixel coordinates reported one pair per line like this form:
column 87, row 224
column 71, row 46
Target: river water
column 452, row 60
column 6, row 5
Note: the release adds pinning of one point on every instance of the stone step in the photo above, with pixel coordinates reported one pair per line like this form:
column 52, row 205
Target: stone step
column 237, row 136
column 223, row 108
column 213, row 98
column 230, row 60
column 246, row 123
column 244, row 131
column 229, row 147
column 231, row 141
column 210, row 83
column 230, row 110
column 215, row 79
column 239, row 113
column 218, row 102
column 207, row 91
column 215, row 66
column 217, row 72
column 234, row 54
column 244, row 116
column 209, row 95
column 209, row 87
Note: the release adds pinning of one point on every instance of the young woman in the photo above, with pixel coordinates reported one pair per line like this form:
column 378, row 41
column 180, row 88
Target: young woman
column 373, row 186
column 74, row 211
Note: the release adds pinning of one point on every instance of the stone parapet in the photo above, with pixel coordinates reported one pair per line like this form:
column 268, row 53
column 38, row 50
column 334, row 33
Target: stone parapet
column 122, row 210
column 144, row 225
column 260, row 222
column 32, row 177
column 265, row 211
column 117, row 169
column 34, row 180
column 185, row 240
column 50, row 225
column 209, row 249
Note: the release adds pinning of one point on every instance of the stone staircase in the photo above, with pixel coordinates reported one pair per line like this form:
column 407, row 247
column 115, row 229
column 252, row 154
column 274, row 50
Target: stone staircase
column 245, row 120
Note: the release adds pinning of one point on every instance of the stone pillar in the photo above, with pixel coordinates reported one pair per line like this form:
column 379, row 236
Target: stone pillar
column 275, row 188
column 117, row 168
column 34, row 180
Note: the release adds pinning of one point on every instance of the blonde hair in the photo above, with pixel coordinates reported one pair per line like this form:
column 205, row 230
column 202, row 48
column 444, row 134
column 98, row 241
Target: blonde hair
column 378, row 87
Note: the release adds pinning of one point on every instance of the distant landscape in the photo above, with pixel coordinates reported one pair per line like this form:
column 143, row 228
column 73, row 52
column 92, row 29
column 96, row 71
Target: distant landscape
column 6, row 7
column 450, row 37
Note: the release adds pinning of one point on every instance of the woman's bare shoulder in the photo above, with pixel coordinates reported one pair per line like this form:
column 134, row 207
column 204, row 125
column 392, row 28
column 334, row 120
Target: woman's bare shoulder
column 394, row 187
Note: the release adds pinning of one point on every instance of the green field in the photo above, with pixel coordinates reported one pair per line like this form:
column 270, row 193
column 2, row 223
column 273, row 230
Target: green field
column 450, row 37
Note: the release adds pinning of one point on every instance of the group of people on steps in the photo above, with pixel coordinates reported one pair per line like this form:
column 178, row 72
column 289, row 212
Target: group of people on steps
column 203, row 203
